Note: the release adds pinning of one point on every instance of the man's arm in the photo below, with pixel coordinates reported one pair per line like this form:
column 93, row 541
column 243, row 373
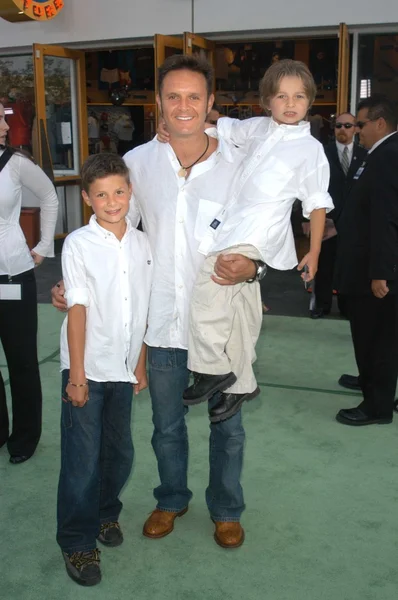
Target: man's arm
column 384, row 225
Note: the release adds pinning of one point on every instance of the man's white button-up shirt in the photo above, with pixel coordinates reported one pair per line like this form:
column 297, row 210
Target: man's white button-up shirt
column 176, row 213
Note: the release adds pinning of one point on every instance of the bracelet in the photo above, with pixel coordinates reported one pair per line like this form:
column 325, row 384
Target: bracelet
column 77, row 384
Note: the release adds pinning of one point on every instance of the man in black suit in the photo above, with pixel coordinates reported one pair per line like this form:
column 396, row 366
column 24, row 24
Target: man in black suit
column 367, row 263
column 345, row 157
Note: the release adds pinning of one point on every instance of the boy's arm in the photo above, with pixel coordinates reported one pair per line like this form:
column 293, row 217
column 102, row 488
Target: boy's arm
column 140, row 371
column 77, row 297
column 77, row 389
column 316, row 203
column 238, row 132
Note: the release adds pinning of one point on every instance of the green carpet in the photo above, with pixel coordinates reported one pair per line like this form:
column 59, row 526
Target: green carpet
column 320, row 520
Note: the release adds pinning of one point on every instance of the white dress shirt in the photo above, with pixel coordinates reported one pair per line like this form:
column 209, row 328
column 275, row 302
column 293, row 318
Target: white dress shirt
column 112, row 279
column 340, row 150
column 176, row 213
column 21, row 172
column 284, row 162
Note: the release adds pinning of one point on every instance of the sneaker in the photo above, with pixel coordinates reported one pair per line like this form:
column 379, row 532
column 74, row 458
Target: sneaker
column 83, row 567
column 110, row 534
column 205, row 386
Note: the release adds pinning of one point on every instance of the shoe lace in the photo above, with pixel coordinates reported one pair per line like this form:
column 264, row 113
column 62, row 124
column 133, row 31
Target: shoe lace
column 197, row 377
column 82, row 559
column 111, row 525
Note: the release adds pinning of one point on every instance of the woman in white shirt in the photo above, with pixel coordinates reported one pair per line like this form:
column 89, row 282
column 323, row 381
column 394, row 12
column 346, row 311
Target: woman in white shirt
column 18, row 297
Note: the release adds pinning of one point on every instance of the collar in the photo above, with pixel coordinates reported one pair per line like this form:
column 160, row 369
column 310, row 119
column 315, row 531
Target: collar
column 381, row 141
column 340, row 147
column 104, row 233
column 291, row 132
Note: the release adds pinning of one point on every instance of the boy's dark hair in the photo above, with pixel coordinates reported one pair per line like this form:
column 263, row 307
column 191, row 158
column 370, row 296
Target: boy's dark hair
column 187, row 62
column 269, row 85
column 380, row 107
column 99, row 166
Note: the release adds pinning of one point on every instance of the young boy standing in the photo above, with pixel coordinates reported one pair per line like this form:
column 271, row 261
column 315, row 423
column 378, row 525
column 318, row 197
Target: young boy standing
column 284, row 162
column 107, row 269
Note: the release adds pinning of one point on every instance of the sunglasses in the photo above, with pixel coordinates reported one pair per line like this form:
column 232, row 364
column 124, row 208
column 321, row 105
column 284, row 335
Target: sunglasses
column 345, row 125
column 361, row 124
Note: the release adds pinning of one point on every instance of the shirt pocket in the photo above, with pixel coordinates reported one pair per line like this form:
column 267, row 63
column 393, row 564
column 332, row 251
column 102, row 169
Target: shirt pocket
column 207, row 211
column 272, row 177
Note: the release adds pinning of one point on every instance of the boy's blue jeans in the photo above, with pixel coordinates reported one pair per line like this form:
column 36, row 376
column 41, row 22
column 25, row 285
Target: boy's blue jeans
column 96, row 459
column 168, row 378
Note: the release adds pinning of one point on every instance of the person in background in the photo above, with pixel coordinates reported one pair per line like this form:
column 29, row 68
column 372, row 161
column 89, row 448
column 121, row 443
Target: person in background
column 214, row 114
column 345, row 157
column 18, row 297
column 367, row 263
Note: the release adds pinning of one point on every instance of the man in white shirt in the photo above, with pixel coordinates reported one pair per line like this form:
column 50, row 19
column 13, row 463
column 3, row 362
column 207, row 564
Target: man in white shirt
column 178, row 188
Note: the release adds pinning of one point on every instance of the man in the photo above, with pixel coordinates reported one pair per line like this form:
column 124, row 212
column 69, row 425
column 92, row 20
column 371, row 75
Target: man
column 179, row 188
column 345, row 157
column 367, row 263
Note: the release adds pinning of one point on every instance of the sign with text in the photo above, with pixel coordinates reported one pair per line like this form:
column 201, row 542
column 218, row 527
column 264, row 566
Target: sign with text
column 25, row 10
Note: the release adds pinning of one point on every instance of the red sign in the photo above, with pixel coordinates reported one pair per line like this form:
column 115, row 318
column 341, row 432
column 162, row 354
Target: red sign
column 40, row 10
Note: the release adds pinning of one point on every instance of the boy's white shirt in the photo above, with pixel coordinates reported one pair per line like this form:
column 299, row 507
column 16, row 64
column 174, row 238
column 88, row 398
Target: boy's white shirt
column 283, row 162
column 112, row 279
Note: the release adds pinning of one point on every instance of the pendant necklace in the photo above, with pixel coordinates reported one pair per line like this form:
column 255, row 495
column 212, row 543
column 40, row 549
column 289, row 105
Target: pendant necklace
column 184, row 170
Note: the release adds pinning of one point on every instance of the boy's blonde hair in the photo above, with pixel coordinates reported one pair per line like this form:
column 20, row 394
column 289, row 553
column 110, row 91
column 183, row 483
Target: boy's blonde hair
column 269, row 85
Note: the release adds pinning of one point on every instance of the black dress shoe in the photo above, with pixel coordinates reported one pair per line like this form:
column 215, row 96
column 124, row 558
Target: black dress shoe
column 356, row 417
column 17, row 460
column 205, row 386
column 351, row 382
column 229, row 405
column 318, row 313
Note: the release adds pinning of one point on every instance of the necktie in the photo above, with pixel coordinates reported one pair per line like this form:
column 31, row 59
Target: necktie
column 345, row 163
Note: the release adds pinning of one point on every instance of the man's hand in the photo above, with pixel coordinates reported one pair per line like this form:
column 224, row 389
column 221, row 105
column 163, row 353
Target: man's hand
column 163, row 134
column 233, row 268
column 142, row 379
column 57, row 296
column 380, row 288
column 37, row 258
column 77, row 395
column 311, row 260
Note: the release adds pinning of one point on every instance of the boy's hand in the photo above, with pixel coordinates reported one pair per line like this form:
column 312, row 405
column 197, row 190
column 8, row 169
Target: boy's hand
column 57, row 296
column 163, row 134
column 311, row 260
column 233, row 268
column 142, row 379
column 77, row 395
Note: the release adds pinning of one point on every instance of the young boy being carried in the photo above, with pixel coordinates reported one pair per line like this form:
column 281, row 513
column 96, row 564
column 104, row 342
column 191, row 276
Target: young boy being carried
column 107, row 269
column 284, row 162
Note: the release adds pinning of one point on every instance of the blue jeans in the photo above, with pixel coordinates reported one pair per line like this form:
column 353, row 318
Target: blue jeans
column 96, row 459
column 168, row 378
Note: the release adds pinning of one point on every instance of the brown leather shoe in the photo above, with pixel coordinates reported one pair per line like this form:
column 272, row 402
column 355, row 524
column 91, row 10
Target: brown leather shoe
column 161, row 523
column 229, row 534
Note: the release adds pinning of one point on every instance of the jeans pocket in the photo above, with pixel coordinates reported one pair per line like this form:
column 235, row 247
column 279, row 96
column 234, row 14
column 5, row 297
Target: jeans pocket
column 66, row 416
column 160, row 358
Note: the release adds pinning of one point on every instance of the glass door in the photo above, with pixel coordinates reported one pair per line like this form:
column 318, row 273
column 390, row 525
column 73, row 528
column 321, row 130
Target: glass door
column 195, row 44
column 60, row 90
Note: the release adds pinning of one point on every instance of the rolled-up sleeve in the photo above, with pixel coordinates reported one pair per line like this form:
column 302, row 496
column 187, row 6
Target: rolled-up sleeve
column 313, row 189
column 74, row 275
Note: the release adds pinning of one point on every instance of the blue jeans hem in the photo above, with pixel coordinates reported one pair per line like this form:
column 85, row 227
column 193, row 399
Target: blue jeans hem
column 225, row 519
column 111, row 519
column 172, row 510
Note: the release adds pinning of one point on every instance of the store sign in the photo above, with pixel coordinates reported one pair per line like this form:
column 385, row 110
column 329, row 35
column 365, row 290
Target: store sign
column 23, row 10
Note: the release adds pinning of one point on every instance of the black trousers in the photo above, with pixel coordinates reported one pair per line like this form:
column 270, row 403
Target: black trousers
column 18, row 335
column 374, row 330
column 325, row 277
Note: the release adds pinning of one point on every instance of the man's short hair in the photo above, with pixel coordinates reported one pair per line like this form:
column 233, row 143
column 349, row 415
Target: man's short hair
column 99, row 166
column 380, row 107
column 187, row 62
column 269, row 85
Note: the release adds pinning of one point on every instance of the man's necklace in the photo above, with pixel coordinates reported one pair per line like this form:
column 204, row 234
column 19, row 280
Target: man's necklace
column 184, row 170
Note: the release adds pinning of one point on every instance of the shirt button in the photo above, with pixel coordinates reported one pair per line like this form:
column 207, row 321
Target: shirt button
column 125, row 298
column 181, row 220
column 180, row 286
